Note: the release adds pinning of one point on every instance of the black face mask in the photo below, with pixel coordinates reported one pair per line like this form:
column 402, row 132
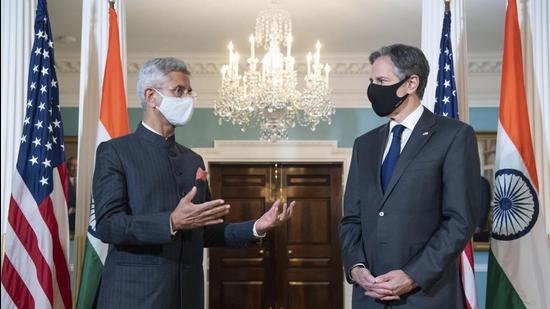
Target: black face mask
column 384, row 99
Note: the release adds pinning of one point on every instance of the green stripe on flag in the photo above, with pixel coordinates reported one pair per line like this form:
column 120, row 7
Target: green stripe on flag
column 91, row 274
column 500, row 292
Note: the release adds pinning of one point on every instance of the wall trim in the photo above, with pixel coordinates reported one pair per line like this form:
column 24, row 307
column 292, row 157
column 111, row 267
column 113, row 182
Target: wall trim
column 350, row 77
column 341, row 64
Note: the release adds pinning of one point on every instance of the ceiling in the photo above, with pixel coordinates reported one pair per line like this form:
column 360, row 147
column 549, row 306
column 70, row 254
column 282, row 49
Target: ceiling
column 205, row 27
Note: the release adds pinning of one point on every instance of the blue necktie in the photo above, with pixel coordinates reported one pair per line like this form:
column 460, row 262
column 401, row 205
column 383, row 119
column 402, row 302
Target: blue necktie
column 393, row 155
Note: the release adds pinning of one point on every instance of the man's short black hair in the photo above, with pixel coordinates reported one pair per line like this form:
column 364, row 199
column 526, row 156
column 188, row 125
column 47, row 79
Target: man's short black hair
column 407, row 60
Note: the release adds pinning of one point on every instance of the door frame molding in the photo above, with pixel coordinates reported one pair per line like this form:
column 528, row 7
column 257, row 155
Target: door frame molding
column 282, row 151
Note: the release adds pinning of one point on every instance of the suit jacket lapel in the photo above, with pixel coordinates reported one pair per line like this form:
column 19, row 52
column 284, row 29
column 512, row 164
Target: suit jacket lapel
column 380, row 143
column 419, row 137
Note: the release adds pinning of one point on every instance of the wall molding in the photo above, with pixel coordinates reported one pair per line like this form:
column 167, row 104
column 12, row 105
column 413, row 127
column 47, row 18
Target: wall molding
column 485, row 67
column 340, row 64
column 349, row 78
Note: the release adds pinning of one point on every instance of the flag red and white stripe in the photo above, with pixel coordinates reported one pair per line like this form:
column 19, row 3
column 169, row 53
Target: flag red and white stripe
column 467, row 275
column 446, row 104
column 35, row 272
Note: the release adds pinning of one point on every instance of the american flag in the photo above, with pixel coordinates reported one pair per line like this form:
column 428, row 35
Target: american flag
column 446, row 104
column 35, row 271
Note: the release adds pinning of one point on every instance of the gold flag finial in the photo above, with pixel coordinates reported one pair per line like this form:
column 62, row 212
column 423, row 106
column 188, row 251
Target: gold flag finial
column 447, row 5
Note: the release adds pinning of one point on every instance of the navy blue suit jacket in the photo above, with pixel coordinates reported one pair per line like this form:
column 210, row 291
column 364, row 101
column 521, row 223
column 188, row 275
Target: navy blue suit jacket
column 139, row 179
column 423, row 220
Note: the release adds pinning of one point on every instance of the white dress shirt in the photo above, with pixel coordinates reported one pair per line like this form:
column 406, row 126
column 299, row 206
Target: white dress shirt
column 409, row 123
column 150, row 129
column 171, row 229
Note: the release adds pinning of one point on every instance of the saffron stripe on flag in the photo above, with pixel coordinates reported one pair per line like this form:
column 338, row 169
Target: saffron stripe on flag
column 518, row 271
column 113, row 122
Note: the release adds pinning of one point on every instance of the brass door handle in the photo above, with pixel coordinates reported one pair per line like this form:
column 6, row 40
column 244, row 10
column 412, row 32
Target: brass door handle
column 289, row 252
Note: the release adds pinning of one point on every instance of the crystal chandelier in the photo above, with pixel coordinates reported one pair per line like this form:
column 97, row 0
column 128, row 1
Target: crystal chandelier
column 265, row 93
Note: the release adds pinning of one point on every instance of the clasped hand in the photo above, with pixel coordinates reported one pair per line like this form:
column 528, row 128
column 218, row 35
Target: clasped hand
column 189, row 216
column 389, row 286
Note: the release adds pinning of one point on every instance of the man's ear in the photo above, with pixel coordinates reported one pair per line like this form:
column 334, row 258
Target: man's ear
column 149, row 95
column 412, row 84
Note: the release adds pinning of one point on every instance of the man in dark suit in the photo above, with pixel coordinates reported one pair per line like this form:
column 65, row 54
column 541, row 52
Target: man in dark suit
column 72, row 167
column 153, row 203
column 484, row 205
column 410, row 198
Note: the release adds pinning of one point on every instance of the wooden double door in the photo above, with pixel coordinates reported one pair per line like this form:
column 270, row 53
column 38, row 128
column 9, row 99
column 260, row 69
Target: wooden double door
column 298, row 264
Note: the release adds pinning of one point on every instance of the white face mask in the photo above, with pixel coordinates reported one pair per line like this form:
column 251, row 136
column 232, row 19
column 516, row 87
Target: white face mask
column 177, row 111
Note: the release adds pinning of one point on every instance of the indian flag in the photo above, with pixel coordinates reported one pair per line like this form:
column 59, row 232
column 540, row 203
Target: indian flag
column 113, row 122
column 519, row 258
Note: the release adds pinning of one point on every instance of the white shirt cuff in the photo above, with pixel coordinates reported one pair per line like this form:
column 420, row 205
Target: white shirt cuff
column 356, row 265
column 256, row 232
column 171, row 229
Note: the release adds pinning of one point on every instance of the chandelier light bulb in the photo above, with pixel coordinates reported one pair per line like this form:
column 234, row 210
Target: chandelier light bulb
column 252, row 42
column 327, row 70
column 317, row 54
column 309, row 58
column 288, row 44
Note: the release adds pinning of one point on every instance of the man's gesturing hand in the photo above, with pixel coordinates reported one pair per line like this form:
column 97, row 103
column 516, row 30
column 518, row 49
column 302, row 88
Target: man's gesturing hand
column 188, row 215
column 367, row 281
column 273, row 218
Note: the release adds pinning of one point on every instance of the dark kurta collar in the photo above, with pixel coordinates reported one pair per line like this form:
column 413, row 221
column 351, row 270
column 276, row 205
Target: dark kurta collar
column 155, row 138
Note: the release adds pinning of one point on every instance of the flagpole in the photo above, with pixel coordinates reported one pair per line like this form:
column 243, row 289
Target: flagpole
column 112, row 122
column 93, row 56
column 447, row 5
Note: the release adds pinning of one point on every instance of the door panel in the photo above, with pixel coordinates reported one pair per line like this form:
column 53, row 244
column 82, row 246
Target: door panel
column 309, row 294
column 298, row 264
column 237, row 276
column 233, row 291
column 307, row 211
column 312, row 275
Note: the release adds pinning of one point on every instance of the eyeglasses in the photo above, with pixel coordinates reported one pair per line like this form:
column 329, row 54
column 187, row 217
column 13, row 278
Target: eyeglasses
column 182, row 92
